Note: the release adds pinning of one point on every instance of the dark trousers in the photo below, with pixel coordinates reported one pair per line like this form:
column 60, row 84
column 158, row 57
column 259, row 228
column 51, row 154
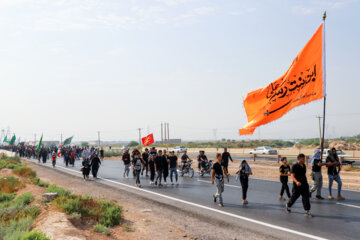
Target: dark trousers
column 44, row 159
column 67, row 161
column 225, row 165
column 284, row 187
column 137, row 172
column 165, row 173
column 94, row 171
column 146, row 168
column 244, row 185
column 152, row 174
column 303, row 190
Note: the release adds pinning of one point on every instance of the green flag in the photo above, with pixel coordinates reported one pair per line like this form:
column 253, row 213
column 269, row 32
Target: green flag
column 68, row 141
column 12, row 141
column 5, row 139
column 40, row 142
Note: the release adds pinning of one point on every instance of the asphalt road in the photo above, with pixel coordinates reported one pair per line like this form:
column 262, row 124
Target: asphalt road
column 332, row 219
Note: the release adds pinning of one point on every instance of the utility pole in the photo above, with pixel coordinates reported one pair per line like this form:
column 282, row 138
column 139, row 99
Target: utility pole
column 61, row 139
column 139, row 136
column 98, row 138
column 168, row 135
column 319, row 128
column 162, row 139
column 215, row 132
column 35, row 138
column 165, row 140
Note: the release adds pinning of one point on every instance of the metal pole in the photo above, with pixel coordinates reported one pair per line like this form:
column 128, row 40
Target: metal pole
column 162, row 133
column 319, row 129
column 168, row 133
column 35, row 138
column 139, row 136
column 165, row 133
column 99, row 139
column 324, row 80
column 61, row 139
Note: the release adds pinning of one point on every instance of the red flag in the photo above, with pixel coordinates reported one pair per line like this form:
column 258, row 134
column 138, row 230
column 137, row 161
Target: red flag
column 59, row 154
column 149, row 139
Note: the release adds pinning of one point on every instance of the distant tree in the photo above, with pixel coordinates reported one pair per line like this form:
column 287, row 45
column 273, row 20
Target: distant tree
column 133, row 144
column 223, row 139
column 84, row 144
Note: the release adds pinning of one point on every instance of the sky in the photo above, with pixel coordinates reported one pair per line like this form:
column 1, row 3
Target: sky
column 81, row 66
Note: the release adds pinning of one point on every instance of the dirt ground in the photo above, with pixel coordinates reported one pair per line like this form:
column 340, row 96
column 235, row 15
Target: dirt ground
column 143, row 219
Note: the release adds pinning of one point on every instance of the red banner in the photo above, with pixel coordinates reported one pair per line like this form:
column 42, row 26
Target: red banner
column 149, row 139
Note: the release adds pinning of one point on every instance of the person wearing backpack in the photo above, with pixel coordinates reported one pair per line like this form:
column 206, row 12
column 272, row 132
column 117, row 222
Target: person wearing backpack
column 53, row 159
column 244, row 171
column 138, row 162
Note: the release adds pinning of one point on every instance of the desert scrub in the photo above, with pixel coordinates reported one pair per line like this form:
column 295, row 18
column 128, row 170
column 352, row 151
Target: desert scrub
column 101, row 229
column 127, row 228
column 6, row 197
column 112, row 154
column 350, row 168
column 15, row 229
column 59, row 190
column 24, row 172
column 40, row 183
column 34, row 235
column 104, row 212
column 10, row 162
column 10, row 184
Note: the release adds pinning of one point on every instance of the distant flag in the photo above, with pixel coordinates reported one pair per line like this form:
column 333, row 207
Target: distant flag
column 59, row 154
column 149, row 139
column 5, row 139
column 302, row 83
column 40, row 142
column 68, row 141
column 12, row 141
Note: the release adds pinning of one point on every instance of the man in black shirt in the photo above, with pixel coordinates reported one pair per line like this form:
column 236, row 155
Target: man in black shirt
column 159, row 160
column 173, row 167
column 225, row 159
column 300, row 185
column 202, row 159
column 284, row 177
column 145, row 157
column 184, row 159
column 217, row 174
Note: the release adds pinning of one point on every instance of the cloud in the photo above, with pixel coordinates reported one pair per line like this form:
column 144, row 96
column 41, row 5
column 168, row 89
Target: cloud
column 116, row 51
column 319, row 6
column 198, row 12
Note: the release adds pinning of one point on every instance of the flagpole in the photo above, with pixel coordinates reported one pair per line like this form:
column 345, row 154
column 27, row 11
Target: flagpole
column 324, row 80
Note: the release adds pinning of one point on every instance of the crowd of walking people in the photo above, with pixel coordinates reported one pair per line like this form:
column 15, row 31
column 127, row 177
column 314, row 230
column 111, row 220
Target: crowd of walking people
column 158, row 165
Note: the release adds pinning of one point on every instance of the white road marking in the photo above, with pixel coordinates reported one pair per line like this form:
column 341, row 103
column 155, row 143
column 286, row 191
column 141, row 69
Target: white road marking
column 284, row 229
column 348, row 205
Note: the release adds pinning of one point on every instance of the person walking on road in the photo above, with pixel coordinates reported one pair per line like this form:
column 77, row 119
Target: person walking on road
column 316, row 175
column 138, row 162
column 53, row 159
column 217, row 176
column 159, row 160
column 300, row 185
column 334, row 168
column 152, row 168
column 126, row 160
column 244, row 171
column 95, row 165
column 173, row 167
column 284, row 178
column 102, row 154
column 165, row 165
column 86, row 169
column 225, row 159
column 145, row 157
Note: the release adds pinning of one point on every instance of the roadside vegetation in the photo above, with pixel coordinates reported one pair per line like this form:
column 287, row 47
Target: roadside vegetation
column 18, row 214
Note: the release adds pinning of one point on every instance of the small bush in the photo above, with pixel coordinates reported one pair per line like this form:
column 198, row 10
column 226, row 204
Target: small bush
column 10, row 184
column 25, row 172
column 23, row 200
column 350, row 168
column 101, row 229
column 15, row 229
column 6, row 196
column 127, row 228
column 40, row 183
column 59, row 190
column 76, row 215
column 34, row 235
column 111, row 214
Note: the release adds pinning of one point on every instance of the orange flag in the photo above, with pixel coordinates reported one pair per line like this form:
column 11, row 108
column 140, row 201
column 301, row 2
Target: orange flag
column 302, row 83
column 149, row 139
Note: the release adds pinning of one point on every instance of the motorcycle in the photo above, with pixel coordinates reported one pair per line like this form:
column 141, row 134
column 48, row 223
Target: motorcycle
column 206, row 168
column 186, row 169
